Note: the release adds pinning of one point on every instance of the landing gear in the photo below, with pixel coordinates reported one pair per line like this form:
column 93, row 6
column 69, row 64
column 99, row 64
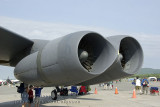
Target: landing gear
column 54, row 94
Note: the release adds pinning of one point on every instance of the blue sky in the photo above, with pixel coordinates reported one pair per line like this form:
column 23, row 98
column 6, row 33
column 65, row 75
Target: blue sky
column 121, row 15
column 42, row 18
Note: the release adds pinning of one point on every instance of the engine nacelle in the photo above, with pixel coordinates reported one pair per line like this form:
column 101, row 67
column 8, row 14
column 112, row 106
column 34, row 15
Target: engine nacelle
column 128, row 62
column 68, row 60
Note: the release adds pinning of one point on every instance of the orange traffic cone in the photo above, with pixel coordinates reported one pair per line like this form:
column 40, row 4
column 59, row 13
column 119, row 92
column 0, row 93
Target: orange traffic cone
column 116, row 91
column 95, row 92
column 134, row 94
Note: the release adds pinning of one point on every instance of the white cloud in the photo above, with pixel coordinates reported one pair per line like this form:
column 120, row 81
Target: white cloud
column 41, row 30
column 151, row 47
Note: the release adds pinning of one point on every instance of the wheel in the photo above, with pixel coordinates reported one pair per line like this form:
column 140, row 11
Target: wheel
column 54, row 95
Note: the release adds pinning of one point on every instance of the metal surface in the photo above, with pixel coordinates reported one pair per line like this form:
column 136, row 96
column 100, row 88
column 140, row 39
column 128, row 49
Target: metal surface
column 12, row 45
column 80, row 58
column 133, row 54
column 60, row 62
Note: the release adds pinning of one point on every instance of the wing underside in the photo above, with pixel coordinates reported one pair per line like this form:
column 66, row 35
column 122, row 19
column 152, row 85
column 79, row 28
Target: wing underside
column 13, row 47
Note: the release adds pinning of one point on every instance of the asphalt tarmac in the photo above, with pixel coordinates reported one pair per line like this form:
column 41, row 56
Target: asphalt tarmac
column 104, row 98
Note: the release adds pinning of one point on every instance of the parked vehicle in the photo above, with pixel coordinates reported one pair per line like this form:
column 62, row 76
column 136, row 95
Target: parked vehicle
column 152, row 79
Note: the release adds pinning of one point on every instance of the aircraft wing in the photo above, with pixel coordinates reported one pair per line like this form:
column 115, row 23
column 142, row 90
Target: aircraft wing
column 12, row 46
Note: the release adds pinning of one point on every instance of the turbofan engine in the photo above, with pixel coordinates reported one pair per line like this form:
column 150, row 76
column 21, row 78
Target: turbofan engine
column 68, row 60
column 128, row 61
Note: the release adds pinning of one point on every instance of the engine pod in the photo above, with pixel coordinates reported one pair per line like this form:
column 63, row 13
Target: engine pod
column 66, row 67
column 131, row 51
column 59, row 62
column 128, row 62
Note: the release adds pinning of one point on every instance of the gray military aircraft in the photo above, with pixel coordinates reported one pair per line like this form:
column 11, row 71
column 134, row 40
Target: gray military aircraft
column 80, row 58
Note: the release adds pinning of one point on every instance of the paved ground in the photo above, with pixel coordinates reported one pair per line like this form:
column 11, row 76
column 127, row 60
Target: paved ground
column 105, row 98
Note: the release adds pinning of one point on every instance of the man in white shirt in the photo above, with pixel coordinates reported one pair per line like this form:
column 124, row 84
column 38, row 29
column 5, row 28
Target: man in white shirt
column 138, row 85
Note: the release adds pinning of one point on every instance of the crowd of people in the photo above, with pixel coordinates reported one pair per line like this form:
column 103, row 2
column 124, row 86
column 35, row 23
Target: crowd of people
column 27, row 94
column 141, row 85
column 107, row 85
column 28, row 97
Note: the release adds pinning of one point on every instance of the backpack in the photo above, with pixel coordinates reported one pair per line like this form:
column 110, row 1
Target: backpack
column 20, row 89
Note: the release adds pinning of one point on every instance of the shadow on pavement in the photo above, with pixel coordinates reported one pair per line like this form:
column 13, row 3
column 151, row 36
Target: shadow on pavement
column 62, row 100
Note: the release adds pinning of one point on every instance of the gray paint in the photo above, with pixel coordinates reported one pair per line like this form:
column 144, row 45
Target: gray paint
column 12, row 46
column 60, row 63
column 26, row 70
column 56, row 62
column 116, row 71
column 38, row 45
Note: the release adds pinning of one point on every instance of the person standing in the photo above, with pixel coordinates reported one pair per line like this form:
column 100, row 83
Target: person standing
column 111, row 85
column 138, row 85
column 105, row 86
column 145, row 85
column 30, row 93
column 24, row 97
column 37, row 96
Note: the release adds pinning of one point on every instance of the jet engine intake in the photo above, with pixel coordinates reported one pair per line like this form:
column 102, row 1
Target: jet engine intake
column 128, row 62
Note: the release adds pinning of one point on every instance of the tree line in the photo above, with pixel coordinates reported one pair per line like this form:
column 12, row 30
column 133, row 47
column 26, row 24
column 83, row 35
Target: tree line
column 146, row 75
